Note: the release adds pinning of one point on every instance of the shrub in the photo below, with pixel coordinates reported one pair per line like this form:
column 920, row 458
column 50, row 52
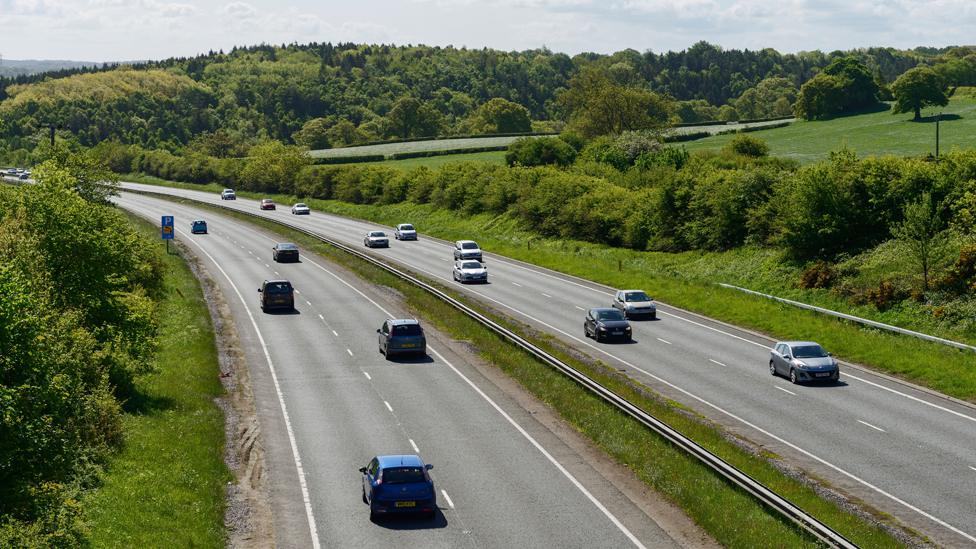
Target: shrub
column 818, row 275
column 540, row 151
column 675, row 157
column 748, row 145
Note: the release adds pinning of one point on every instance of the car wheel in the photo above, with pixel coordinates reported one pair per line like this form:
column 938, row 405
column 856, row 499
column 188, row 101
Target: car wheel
column 793, row 378
column 596, row 336
column 772, row 368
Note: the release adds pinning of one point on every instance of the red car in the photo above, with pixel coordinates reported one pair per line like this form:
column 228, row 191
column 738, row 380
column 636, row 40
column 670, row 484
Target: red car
column 267, row 204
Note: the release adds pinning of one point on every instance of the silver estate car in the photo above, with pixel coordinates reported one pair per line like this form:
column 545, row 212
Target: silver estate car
column 376, row 239
column 803, row 361
column 635, row 304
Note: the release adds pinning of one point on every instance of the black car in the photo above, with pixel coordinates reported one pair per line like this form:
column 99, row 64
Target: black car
column 403, row 336
column 277, row 294
column 284, row 251
column 606, row 323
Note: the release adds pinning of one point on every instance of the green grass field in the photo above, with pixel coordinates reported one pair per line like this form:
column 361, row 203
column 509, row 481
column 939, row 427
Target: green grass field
column 493, row 157
column 876, row 133
column 415, row 146
column 166, row 487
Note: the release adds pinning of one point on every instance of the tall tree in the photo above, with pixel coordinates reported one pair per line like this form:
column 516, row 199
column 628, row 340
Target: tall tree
column 917, row 88
column 597, row 105
column 411, row 117
column 501, row 116
column 919, row 230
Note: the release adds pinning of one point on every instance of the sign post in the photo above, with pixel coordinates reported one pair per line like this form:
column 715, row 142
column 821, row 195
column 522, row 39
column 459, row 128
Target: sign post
column 168, row 233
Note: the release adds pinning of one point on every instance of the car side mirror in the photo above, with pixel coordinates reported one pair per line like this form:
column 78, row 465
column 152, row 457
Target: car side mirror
column 362, row 469
column 830, row 354
column 260, row 290
column 787, row 356
column 428, row 466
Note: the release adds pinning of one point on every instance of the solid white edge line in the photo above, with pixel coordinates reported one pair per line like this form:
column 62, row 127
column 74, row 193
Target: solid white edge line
column 616, row 522
column 414, row 446
column 872, row 426
column 388, row 407
column 716, row 362
column 447, row 497
column 367, row 376
column 312, row 530
column 784, row 390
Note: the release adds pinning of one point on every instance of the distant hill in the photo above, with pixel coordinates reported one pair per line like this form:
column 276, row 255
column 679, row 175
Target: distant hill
column 18, row 67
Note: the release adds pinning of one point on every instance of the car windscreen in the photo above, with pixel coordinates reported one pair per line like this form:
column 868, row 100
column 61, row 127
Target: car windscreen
column 469, row 246
column 403, row 475
column 278, row 288
column 287, row 246
column 406, row 227
column 612, row 314
column 407, row 330
column 199, row 223
column 377, row 234
column 809, row 351
column 636, row 296
column 471, row 265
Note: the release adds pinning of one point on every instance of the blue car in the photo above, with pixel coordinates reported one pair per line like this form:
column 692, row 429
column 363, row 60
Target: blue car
column 399, row 484
column 198, row 226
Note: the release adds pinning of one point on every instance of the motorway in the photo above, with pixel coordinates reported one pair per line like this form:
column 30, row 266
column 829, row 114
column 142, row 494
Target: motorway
column 327, row 402
column 901, row 449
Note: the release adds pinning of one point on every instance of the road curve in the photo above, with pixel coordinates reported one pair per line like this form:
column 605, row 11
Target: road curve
column 328, row 401
column 904, row 450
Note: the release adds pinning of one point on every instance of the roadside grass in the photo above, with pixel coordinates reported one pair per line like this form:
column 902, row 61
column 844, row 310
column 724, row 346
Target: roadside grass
column 166, row 487
column 876, row 133
column 731, row 516
column 687, row 280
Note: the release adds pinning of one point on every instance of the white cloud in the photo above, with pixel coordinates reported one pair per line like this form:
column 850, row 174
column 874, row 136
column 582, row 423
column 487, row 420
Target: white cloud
column 239, row 10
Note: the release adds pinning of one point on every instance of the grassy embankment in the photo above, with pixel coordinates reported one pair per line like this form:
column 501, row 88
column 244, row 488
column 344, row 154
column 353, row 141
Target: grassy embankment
column 688, row 280
column 166, row 487
column 731, row 516
column 868, row 134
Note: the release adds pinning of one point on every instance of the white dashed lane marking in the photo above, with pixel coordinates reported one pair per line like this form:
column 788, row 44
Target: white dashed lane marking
column 448, row 499
column 388, row 407
column 716, row 362
column 784, row 390
column 578, row 307
column 349, row 351
column 872, row 426
column 664, row 341
column 367, row 376
column 414, row 445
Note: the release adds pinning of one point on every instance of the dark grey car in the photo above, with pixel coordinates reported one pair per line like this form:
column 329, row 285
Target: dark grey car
column 284, row 251
column 606, row 323
column 803, row 361
column 403, row 336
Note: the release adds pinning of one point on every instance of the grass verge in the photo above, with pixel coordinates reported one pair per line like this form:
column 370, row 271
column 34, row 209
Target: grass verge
column 166, row 487
column 728, row 514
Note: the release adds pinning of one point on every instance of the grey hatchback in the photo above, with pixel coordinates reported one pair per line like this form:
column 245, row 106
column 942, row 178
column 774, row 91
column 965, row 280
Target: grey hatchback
column 403, row 336
column 803, row 361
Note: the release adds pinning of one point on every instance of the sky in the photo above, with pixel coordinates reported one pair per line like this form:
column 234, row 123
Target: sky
column 120, row 30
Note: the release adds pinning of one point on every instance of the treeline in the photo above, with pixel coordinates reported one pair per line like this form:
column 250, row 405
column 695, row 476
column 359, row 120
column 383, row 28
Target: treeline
column 630, row 190
column 77, row 325
column 337, row 95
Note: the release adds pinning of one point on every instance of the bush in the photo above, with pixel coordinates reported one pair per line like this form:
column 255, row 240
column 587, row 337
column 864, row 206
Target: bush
column 540, row 151
column 819, row 275
column 748, row 146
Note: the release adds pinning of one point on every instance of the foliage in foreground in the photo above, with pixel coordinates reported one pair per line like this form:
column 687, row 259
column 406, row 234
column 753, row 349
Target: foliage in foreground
column 77, row 325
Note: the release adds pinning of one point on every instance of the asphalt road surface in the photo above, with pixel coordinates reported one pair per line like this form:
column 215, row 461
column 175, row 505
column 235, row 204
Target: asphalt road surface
column 328, row 401
column 904, row 450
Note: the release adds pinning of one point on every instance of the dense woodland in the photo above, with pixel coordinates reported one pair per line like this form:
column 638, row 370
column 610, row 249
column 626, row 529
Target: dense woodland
column 354, row 93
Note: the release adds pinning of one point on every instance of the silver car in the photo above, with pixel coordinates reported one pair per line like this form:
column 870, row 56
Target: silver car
column 467, row 249
column 405, row 231
column 376, row 239
column 635, row 304
column 301, row 209
column 470, row 271
column 803, row 361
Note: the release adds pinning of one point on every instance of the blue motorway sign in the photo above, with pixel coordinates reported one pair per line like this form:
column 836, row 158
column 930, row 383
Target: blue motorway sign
column 168, row 232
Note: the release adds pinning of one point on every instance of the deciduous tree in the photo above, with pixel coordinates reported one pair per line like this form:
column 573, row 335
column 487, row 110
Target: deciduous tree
column 917, row 88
